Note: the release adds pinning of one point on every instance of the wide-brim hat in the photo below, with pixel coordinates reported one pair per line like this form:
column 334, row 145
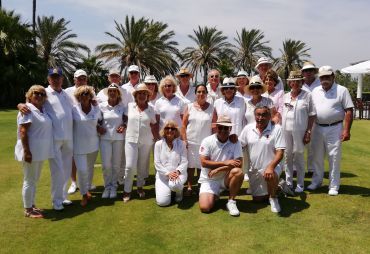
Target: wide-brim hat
column 150, row 79
column 263, row 60
column 295, row 75
column 113, row 86
column 228, row 82
column 223, row 120
column 184, row 71
column 141, row 87
column 255, row 81
column 242, row 74
column 309, row 65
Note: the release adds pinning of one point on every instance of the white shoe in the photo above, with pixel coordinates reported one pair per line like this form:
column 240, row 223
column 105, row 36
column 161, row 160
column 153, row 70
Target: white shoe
column 333, row 192
column 67, row 202
column 113, row 193
column 312, row 187
column 58, row 207
column 246, row 178
column 286, row 188
column 249, row 191
column 178, row 197
column 73, row 188
column 232, row 208
column 275, row 206
column 106, row 193
column 299, row 189
column 92, row 187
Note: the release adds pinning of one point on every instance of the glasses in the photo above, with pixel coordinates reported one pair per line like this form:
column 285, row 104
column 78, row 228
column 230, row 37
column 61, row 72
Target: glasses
column 39, row 94
column 228, row 88
column 85, row 94
column 223, row 128
column 289, row 106
column 214, row 76
column 308, row 70
column 255, row 87
column 170, row 128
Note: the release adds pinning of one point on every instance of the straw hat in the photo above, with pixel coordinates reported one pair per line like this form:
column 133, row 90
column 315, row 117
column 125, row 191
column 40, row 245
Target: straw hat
column 141, row 87
column 113, row 86
column 228, row 82
column 184, row 71
column 295, row 75
column 150, row 79
column 224, row 120
column 255, row 81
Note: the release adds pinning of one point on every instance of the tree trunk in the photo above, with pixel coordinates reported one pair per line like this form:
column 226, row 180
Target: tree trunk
column 33, row 22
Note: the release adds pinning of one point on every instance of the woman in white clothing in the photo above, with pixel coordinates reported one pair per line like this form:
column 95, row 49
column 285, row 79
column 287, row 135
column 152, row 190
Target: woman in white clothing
column 298, row 117
column 111, row 130
column 85, row 138
column 271, row 80
column 169, row 106
column 34, row 145
column 196, row 125
column 141, row 130
column 151, row 82
column 171, row 163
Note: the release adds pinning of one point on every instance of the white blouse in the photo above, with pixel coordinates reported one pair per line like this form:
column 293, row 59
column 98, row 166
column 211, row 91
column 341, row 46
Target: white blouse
column 199, row 124
column 169, row 110
column 112, row 119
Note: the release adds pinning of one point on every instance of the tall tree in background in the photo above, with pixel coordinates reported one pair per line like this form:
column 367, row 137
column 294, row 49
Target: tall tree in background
column 250, row 46
column 95, row 70
column 55, row 45
column 34, row 21
column 294, row 53
column 210, row 42
column 145, row 43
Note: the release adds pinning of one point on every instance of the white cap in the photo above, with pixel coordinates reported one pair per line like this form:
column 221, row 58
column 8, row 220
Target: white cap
column 150, row 79
column 242, row 74
column 325, row 70
column 308, row 65
column 263, row 60
column 79, row 73
column 114, row 72
column 133, row 68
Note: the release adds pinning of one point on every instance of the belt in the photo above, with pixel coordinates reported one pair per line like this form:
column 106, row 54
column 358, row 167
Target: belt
column 330, row 124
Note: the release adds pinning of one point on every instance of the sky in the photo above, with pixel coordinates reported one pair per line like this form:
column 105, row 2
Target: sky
column 337, row 31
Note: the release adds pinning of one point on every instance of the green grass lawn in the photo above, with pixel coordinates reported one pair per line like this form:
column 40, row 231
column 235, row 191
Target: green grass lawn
column 310, row 223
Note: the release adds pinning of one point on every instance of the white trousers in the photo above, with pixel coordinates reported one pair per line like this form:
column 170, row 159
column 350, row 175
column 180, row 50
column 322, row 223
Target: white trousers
column 122, row 168
column 293, row 160
column 60, row 169
column 327, row 140
column 136, row 165
column 85, row 170
column 163, row 188
column 310, row 166
column 111, row 157
column 31, row 175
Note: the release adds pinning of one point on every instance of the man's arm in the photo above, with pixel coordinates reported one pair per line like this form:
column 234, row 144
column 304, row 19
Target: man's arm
column 269, row 172
column 217, row 164
column 348, row 119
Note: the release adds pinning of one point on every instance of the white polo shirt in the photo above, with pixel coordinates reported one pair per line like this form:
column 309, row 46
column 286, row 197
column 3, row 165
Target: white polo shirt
column 214, row 150
column 310, row 88
column 129, row 88
column 40, row 136
column 59, row 108
column 112, row 119
column 71, row 93
column 212, row 96
column 262, row 147
column 169, row 110
column 85, row 135
column 189, row 97
column 249, row 112
column 166, row 159
column 235, row 110
column 138, row 124
column 330, row 105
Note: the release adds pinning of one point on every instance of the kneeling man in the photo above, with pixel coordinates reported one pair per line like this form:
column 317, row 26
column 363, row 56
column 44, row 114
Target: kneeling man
column 266, row 147
column 221, row 162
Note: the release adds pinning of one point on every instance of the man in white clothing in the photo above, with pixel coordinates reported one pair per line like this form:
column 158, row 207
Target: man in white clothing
column 333, row 107
column 214, row 91
column 114, row 77
column 263, row 65
column 186, row 91
column 221, row 168
column 134, row 78
column 266, row 146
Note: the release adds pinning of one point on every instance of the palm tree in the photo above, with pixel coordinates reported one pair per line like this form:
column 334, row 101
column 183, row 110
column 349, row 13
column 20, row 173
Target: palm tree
column 54, row 44
column 95, row 69
column 144, row 43
column 250, row 46
column 34, row 21
column 205, row 55
column 293, row 54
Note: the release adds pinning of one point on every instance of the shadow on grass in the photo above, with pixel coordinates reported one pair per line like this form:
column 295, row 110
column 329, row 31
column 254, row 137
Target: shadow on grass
column 345, row 190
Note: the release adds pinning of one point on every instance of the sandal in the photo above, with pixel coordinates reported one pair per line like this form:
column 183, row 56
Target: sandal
column 84, row 200
column 37, row 209
column 32, row 214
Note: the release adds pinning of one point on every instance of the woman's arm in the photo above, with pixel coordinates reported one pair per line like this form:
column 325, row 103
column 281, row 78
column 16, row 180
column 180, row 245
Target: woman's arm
column 23, row 128
column 185, row 121
column 157, row 159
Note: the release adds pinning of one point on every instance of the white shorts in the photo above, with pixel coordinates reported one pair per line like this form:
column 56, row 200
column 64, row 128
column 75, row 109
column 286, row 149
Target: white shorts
column 193, row 156
column 213, row 187
column 257, row 182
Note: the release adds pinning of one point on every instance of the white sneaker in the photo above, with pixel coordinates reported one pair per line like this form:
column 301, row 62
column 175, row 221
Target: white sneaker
column 333, row 192
column 73, row 188
column 92, row 187
column 67, row 202
column 106, row 193
column 312, row 187
column 275, row 207
column 113, row 193
column 286, row 188
column 246, row 178
column 232, row 208
column 58, row 207
column 178, row 197
column 299, row 189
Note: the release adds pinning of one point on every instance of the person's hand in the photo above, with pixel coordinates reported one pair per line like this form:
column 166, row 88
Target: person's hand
column 101, row 130
column 213, row 172
column 269, row 173
column 233, row 138
column 27, row 156
column 346, row 135
column 173, row 175
column 186, row 144
column 233, row 163
column 307, row 138
column 23, row 108
column 121, row 129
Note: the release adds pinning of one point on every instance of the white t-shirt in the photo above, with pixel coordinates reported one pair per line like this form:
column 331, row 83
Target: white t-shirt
column 310, row 88
column 169, row 110
column 138, row 124
column 85, row 135
column 71, row 93
column 152, row 103
column 58, row 106
column 235, row 110
column 330, row 105
column 214, row 150
column 277, row 98
column 212, row 96
column 262, row 147
column 249, row 112
column 112, row 119
column 166, row 159
column 40, row 136
column 199, row 124
column 189, row 97
column 129, row 88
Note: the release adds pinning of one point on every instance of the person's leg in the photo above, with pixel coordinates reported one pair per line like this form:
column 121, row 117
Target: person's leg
column 30, row 171
column 193, row 162
column 38, row 167
column 106, row 151
column 122, row 169
column 299, row 165
column 57, row 177
column 90, row 163
column 208, row 193
column 143, row 164
column 67, row 153
column 233, row 181
column 116, row 162
column 131, row 166
column 289, row 158
column 83, row 175
column 73, row 187
column 334, row 146
column 318, row 142
column 162, row 191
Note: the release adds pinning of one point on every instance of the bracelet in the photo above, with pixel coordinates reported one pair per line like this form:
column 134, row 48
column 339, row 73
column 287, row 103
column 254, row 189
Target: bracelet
column 308, row 131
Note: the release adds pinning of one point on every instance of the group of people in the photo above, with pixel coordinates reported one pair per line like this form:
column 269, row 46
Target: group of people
column 240, row 129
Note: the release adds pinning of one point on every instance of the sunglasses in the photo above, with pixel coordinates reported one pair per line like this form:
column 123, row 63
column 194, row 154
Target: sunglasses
column 85, row 94
column 170, row 128
column 223, row 128
column 228, row 88
column 214, row 76
column 308, row 70
column 39, row 94
column 184, row 76
column 255, row 87
column 168, row 86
